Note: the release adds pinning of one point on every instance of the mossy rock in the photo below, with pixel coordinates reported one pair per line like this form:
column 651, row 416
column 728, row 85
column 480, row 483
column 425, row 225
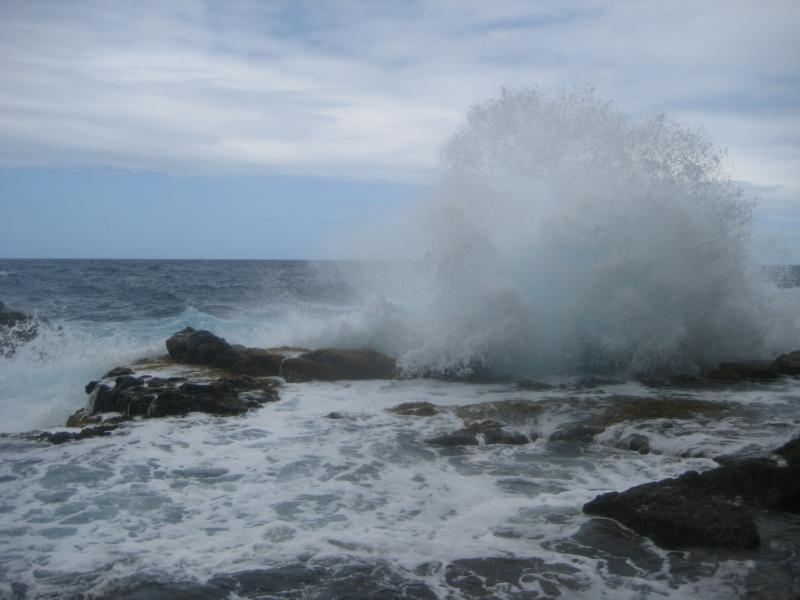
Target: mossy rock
column 416, row 409
column 505, row 411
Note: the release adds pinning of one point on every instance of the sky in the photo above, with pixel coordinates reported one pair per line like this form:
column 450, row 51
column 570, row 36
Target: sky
column 258, row 129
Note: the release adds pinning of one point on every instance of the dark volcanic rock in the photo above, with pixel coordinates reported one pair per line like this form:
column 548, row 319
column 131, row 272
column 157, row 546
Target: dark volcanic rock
column 117, row 372
column 332, row 364
column 581, row 432
column 506, row 577
column 790, row 451
column 744, row 371
column 713, row 509
column 788, row 364
column 415, row 409
column 190, row 346
column 295, row 580
column 491, row 432
column 156, row 397
column 677, row 515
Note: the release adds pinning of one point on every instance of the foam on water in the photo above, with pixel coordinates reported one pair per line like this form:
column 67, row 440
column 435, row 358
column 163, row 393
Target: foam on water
column 191, row 498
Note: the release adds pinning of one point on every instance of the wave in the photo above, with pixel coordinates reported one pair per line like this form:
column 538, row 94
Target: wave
column 42, row 381
column 564, row 235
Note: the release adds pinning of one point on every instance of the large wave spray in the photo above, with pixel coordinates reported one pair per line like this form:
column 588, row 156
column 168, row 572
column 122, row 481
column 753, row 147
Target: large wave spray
column 566, row 236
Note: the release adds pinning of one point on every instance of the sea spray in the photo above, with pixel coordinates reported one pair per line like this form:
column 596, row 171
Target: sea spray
column 564, row 235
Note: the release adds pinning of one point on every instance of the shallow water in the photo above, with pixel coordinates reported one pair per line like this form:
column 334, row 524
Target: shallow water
column 286, row 489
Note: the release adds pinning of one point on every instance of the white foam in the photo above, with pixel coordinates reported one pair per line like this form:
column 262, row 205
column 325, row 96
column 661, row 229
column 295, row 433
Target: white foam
column 205, row 495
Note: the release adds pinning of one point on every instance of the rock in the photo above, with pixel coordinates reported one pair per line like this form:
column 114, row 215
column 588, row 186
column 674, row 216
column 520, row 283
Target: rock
column 415, row 409
column 118, row 372
column 713, row 509
column 332, row 364
column 462, row 437
column 636, row 442
column 510, row 412
column 788, row 364
column 676, row 515
column 157, row 397
column 190, row 346
column 491, row 432
column 10, row 317
column 732, row 372
column 60, row 437
column 641, row 409
column 790, row 451
column 580, row 432
column 534, row 386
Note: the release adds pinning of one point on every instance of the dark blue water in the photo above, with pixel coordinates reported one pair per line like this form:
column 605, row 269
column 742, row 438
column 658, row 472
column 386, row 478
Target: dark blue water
column 123, row 290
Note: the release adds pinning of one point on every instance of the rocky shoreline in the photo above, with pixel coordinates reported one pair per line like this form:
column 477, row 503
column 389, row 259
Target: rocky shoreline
column 717, row 509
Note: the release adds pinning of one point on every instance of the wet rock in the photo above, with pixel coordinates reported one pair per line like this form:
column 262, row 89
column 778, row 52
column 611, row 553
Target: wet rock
column 118, row 372
column 636, row 442
column 677, row 515
column 788, row 364
column 157, row 397
column 731, row 372
column 462, row 437
column 641, row 409
column 713, row 509
column 511, row 412
column 60, row 437
column 790, row 451
column 333, row 364
column 506, row 577
column 534, row 386
column 491, row 432
column 416, row 409
column 190, row 346
column 750, row 452
column 581, row 432
column 375, row 581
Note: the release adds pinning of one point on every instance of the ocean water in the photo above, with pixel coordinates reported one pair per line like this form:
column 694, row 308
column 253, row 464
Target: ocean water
column 286, row 502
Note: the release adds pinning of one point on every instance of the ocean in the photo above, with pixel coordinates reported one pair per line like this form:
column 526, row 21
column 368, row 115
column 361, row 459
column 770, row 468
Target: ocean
column 287, row 502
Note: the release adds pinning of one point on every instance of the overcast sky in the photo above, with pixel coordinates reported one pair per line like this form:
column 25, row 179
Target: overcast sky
column 113, row 108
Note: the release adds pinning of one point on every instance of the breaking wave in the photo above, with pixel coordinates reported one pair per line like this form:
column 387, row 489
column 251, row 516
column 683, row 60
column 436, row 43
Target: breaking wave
column 564, row 235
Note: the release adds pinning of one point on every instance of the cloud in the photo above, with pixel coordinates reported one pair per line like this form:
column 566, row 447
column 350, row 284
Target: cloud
column 370, row 90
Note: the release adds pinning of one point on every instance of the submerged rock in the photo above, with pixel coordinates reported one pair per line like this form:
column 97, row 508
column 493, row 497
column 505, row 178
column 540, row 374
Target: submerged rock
column 579, row 432
column 332, row 364
column 790, row 451
column 190, row 346
column 490, row 432
column 788, row 364
column 712, row 509
column 60, row 437
column 416, row 409
column 512, row 412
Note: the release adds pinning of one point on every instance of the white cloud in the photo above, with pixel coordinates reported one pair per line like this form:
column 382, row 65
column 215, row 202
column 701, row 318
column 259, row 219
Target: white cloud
column 370, row 90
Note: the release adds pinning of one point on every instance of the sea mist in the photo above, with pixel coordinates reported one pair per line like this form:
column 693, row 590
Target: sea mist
column 565, row 236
